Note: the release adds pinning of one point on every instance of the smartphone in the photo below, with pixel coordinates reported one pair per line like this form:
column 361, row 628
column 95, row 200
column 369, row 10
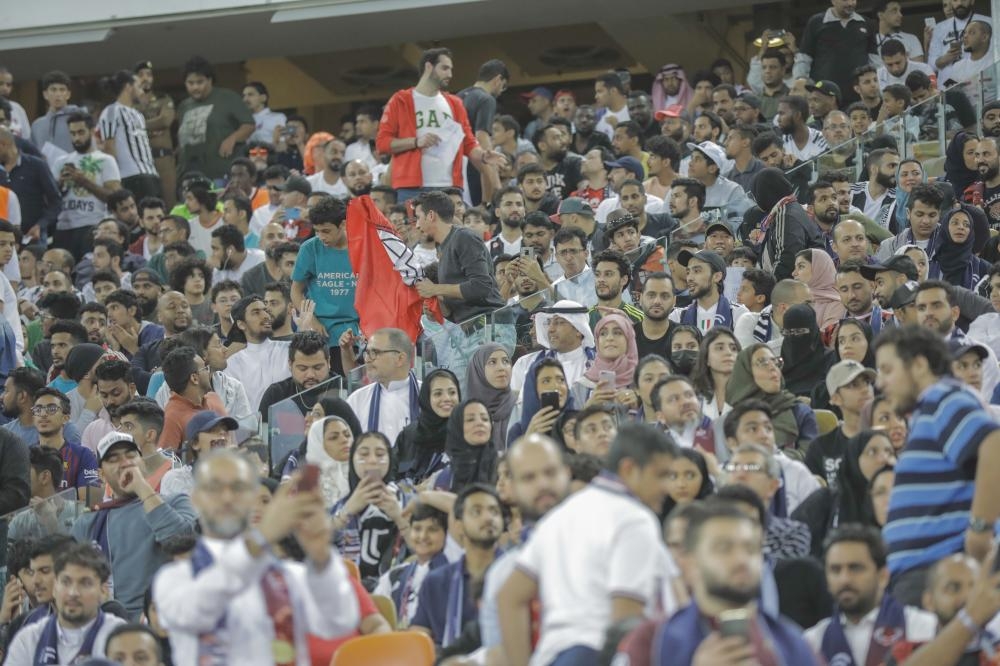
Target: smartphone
column 735, row 623
column 373, row 474
column 607, row 377
column 528, row 252
column 293, row 213
column 550, row 399
column 930, row 22
column 309, row 479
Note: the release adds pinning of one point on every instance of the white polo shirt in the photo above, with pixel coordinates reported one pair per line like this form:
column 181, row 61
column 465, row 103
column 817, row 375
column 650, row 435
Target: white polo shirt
column 598, row 544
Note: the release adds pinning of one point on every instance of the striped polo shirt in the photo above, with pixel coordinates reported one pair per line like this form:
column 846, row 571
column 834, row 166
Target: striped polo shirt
column 935, row 477
column 127, row 127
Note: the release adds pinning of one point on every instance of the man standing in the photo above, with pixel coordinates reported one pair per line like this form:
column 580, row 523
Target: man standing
column 945, row 47
column 79, row 629
column 130, row 530
column 328, row 178
column 159, row 114
column 123, row 130
column 607, row 535
column 391, row 401
column 366, row 122
column 867, row 620
column 480, row 105
column 50, row 129
column 706, row 272
column 234, row 593
column 562, row 170
column 609, row 93
column 447, row 601
column 955, row 469
column 427, row 132
column 213, row 122
column 465, row 285
column 988, row 185
column 256, row 97
column 508, row 205
column 86, row 177
column 834, row 44
column 263, row 361
column 31, row 180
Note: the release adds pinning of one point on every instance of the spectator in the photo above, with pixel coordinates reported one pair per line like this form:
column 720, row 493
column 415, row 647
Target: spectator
column 18, row 397
column 755, row 291
column 710, row 307
column 15, row 483
column 51, row 413
column 867, row 88
column 786, row 228
column 610, row 93
column 328, row 178
column 562, row 170
column 480, row 105
column 214, row 123
column 738, row 145
column 256, row 97
column 51, row 128
column 30, row 178
column 890, row 19
column 801, row 141
column 678, row 412
column 278, row 265
column 897, row 64
column 264, row 361
column 834, row 44
column 190, row 380
column 824, row 98
column 123, row 130
column 231, row 257
column 144, row 420
column 309, row 364
column 539, row 101
column 946, row 43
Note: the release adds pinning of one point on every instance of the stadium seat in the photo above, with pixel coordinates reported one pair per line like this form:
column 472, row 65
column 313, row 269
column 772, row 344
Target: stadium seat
column 352, row 569
column 826, row 420
column 387, row 608
column 401, row 648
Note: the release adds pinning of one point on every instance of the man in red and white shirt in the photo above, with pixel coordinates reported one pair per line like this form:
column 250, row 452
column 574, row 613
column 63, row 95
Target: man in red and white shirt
column 427, row 132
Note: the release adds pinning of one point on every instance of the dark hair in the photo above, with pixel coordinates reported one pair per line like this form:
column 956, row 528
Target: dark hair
column 731, row 494
column 308, row 343
column 587, row 412
column 503, row 191
column 147, row 412
column 230, row 237
column 732, row 420
column 114, row 248
column 509, row 123
column 277, row 250
column 634, row 182
column 947, row 287
column 431, row 57
column 797, row 104
column 926, row 194
column 26, row 379
column 857, row 106
column 701, row 375
column 537, row 218
column 532, row 169
column 225, row 285
column 184, row 270
column 764, row 141
column 239, row 310
column 654, row 395
column 858, row 533
column 437, row 202
column 639, row 442
column 259, row 87
column 704, row 75
column 665, row 148
column 707, row 511
column 692, row 188
column 492, row 69
column 200, row 66
column 892, row 47
column 611, row 81
column 204, row 196
column 567, row 234
column 116, row 82
column 44, row 459
column 71, row 326
column 276, row 171
column 745, row 131
column 614, row 257
column 389, row 192
column 63, row 305
column 741, row 252
column 424, row 511
column 94, row 306
column 774, row 54
column 762, row 282
column 117, row 198
column 646, row 360
column 918, row 81
column 241, row 203
column 19, row 551
column 80, row 117
column 912, row 341
column 135, row 628
column 372, row 111
column 55, row 77
column 86, row 555
column 473, row 489
column 861, row 71
column 182, row 225
column 50, row 544
column 875, row 157
column 849, row 267
column 328, row 211
column 178, row 366
column 55, row 393
column 632, row 129
column 152, row 202
column 113, row 370
column 713, row 119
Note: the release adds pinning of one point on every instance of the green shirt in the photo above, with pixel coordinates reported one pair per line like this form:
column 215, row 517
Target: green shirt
column 203, row 126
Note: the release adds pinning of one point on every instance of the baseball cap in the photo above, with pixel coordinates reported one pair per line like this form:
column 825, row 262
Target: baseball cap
column 111, row 440
column 826, row 87
column 712, row 151
column 206, row 420
column 141, row 65
column 564, row 93
column 540, row 91
column 904, row 295
column 296, row 184
column 899, row 263
column 147, row 274
column 572, row 205
column 845, row 372
column 961, row 347
column 750, row 100
column 717, row 263
column 629, row 164
column 672, row 111
column 718, row 226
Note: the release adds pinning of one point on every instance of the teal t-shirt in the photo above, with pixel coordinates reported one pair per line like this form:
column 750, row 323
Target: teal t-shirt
column 330, row 283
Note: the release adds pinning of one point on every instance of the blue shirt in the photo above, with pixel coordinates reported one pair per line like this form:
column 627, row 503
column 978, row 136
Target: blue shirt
column 935, row 477
column 63, row 384
column 432, row 604
column 330, row 283
column 251, row 240
column 79, row 467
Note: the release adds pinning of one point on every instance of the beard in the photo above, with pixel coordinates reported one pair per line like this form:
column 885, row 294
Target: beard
column 278, row 320
column 886, row 180
column 861, row 605
column 12, row 412
column 558, row 156
column 335, row 165
column 961, row 12
column 702, row 292
column 989, row 171
column 513, row 222
column 483, row 543
column 226, row 528
column 361, row 190
column 82, row 147
column 147, row 306
column 734, row 595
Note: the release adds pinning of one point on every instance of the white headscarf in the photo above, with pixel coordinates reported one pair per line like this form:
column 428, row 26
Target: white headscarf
column 580, row 321
column 333, row 474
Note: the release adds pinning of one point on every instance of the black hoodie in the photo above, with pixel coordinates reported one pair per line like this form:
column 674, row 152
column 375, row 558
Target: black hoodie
column 791, row 229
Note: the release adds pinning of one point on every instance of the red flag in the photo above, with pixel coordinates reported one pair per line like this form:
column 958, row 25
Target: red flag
column 386, row 270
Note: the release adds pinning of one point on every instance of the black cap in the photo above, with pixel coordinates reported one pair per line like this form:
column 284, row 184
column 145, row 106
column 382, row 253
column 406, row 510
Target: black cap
column 899, row 263
column 296, row 184
column 622, row 218
column 717, row 263
column 963, row 346
column 904, row 295
column 718, row 226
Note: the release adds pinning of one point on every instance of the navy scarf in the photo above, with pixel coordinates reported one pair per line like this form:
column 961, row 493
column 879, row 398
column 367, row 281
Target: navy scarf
column 47, row 652
column 723, row 314
column 402, row 591
column 456, row 603
column 212, row 646
column 762, row 331
column 890, row 627
column 376, row 406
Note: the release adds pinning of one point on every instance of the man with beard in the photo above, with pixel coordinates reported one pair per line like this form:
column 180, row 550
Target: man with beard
column 264, row 361
column 612, row 274
column 824, row 97
column 357, row 178
column 986, row 191
column 539, row 480
column 687, row 198
column 953, row 482
column 562, row 170
column 509, row 207
column 723, row 98
column 945, row 47
column 657, row 301
column 708, row 160
column 627, row 142
column 563, row 332
column 606, row 534
column 867, row 620
column 738, row 145
column 706, row 272
column 890, row 276
column 477, row 510
column 18, row 398
column 633, row 198
column 190, row 380
column 896, row 66
column 937, row 309
column 278, row 264
column 174, row 314
column 801, row 141
column 159, row 114
column 87, row 177
column 328, row 179
column 724, row 562
column 231, row 258
column 991, row 119
column 64, row 335
column 278, row 299
column 856, row 296
column 850, row 243
column 309, row 364
column 640, row 109
column 674, row 124
column 539, row 232
column 233, row 577
column 123, row 129
column 662, row 165
column 880, row 189
column 679, row 409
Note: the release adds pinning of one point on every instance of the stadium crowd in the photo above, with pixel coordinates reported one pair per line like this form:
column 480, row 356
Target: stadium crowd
column 702, row 374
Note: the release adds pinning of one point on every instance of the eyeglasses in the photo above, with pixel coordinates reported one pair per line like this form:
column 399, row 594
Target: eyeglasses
column 372, row 353
column 745, row 467
column 204, row 368
column 38, row 410
column 258, row 152
column 765, row 363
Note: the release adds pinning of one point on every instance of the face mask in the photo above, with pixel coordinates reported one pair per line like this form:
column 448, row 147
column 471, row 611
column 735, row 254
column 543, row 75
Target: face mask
column 684, row 360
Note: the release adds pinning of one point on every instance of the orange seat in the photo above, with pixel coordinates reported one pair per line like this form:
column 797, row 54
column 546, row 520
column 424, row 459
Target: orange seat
column 401, row 648
column 352, row 569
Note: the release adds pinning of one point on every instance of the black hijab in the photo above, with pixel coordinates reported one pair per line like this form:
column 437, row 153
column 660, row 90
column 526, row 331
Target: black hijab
column 955, row 170
column 352, row 477
column 432, row 429
column 769, row 187
column 805, row 358
column 866, row 329
column 853, row 503
column 707, row 487
column 469, row 463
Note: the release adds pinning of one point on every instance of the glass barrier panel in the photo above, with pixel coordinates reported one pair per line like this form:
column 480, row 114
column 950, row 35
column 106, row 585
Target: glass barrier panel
column 286, row 421
column 42, row 517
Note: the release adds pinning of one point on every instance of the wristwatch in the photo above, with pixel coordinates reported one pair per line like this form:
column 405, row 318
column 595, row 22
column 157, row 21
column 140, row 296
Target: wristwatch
column 979, row 525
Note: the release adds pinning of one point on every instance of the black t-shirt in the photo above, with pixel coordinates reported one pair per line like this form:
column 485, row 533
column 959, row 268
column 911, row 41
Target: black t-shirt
column 659, row 346
column 564, row 177
column 481, row 107
column 824, row 455
column 991, row 204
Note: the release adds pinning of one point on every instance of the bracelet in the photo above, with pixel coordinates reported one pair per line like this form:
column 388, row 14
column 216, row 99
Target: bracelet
column 967, row 621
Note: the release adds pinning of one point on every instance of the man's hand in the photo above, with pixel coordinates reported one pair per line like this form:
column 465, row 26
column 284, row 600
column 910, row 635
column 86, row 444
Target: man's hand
column 495, row 158
column 227, row 146
column 984, row 601
column 13, row 597
column 132, row 481
column 716, row 650
column 978, row 544
column 127, row 339
column 288, row 508
column 34, row 233
column 305, row 318
column 531, row 269
column 428, row 140
column 427, row 289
